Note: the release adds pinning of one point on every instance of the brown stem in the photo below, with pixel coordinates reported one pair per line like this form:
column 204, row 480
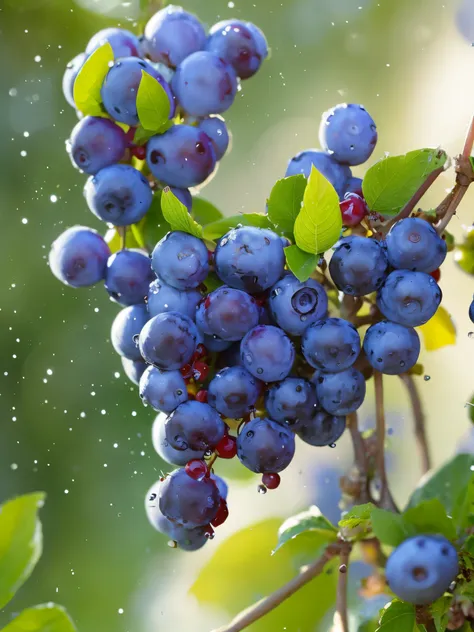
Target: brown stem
column 459, row 192
column 419, row 419
column 360, row 456
column 469, row 142
column 341, row 598
column 267, row 604
column 386, row 501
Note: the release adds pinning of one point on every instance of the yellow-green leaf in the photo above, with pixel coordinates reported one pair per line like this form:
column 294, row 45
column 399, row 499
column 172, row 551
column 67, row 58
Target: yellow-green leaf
column 177, row 216
column 319, row 223
column 45, row 618
column 284, row 203
column 398, row 617
column 216, row 229
column 439, row 331
column 90, row 79
column 153, row 104
column 311, row 520
column 301, row 263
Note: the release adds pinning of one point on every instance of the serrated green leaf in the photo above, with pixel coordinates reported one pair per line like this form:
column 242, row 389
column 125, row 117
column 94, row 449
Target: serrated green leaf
column 430, row 517
column 45, row 618
column 319, row 223
column 284, row 203
column 390, row 528
column 440, row 612
column 310, row 520
column 357, row 516
column 21, row 542
column 391, row 183
column 177, row 216
column 205, row 212
column 153, row 104
column 90, row 79
column 217, row 229
column 301, row 263
column 398, row 617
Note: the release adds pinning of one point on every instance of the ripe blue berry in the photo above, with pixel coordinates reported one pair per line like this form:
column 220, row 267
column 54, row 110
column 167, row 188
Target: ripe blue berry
column 331, row 345
column 265, row 446
column 471, row 311
column 267, row 353
column 168, row 341
column 291, row 401
column 127, row 324
column 79, row 257
column 321, row 429
column 409, row 298
column 165, row 298
column 391, row 348
column 359, row 265
column 204, row 84
column 349, row 133
column 163, row 448
column 184, row 196
column 181, row 260
column 221, row 485
column 134, row 369
column 227, row 313
column 216, row 129
column 181, row 157
column 188, row 502
column 354, row 185
column 238, row 43
column 128, row 277
column 194, row 425
column 421, row 569
column 413, row 244
column 124, row 43
column 69, row 77
column 214, row 344
column 118, row 194
column 250, row 259
column 163, row 390
column 173, row 34
column 233, row 392
column 340, row 393
column 338, row 175
column 96, row 143
column 295, row 304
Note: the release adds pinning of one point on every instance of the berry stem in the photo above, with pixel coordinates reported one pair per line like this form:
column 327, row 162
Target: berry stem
column 211, row 461
column 419, row 419
column 469, row 142
column 456, row 196
column 341, row 597
column 123, row 237
column 360, row 457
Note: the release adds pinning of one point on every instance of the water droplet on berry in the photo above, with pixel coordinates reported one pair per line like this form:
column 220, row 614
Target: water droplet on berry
column 332, row 445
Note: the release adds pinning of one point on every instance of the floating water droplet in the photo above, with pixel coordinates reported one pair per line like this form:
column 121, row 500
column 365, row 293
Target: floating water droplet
column 332, row 445
column 427, row 378
column 470, row 334
column 262, row 489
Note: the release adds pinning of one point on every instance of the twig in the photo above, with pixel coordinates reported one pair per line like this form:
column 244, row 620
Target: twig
column 266, row 605
column 341, row 597
column 419, row 419
column 386, row 501
column 122, row 230
column 469, row 142
column 360, row 457
column 459, row 192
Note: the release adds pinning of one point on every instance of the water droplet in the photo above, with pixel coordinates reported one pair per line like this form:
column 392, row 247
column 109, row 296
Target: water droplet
column 262, row 489
column 332, row 445
column 427, row 378
column 470, row 334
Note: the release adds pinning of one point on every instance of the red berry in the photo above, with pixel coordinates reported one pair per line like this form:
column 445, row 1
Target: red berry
column 271, row 481
column 353, row 209
column 222, row 514
column 227, row 447
column 201, row 352
column 196, row 469
column 201, row 396
column 436, row 274
column 210, row 257
column 200, row 371
column 130, row 135
column 139, row 152
column 186, row 371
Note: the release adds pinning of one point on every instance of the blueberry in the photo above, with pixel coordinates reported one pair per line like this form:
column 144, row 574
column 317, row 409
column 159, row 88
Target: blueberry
column 265, row 446
column 233, row 392
column 69, row 77
column 165, row 298
column 128, row 277
column 359, row 265
column 413, row 244
column 391, row 348
column 471, row 311
column 124, row 43
column 194, row 425
column 118, row 194
column 163, row 390
column 267, row 353
column 214, row 344
column 291, row 401
column 295, row 304
column 227, row 313
column 79, row 257
column 354, row 185
column 204, row 84
column 250, row 259
column 349, row 133
column 331, row 345
column 181, row 157
column 240, row 44
column 181, row 260
column 340, row 393
column 134, row 369
column 96, row 143
column 173, row 34
column 188, row 502
column 127, row 324
column 338, row 175
column 184, row 196
column 216, row 129
column 321, row 429
column 221, row 485
column 409, row 298
column 168, row 341
column 165, row 450
column 421, row 569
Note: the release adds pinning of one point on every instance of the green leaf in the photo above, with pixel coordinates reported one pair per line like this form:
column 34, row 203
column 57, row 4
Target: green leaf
column 142, row 136
column 463, row 509
column 114, row 239
column 204, row 212
column 468, row 545
column 284, row 203
column 21, row 542
column 222, row 226
column 212, row 282
column 390, row 528
column 90, row 79
column 301, row 263
column 153, row 104
column 391, row 182
column 439, row 331
column 45, row 618
column 440, row 613
column 398, row 617
column 358, row 516
column 430, row 517
column 310, row 520
column 319, row 223
column 177, row 216
column 470, row 409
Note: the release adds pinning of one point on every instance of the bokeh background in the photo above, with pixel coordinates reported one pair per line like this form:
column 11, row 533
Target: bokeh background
column 71, row 424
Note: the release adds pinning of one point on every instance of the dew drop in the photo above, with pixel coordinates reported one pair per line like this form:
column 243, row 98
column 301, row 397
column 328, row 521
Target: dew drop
column 262, row 489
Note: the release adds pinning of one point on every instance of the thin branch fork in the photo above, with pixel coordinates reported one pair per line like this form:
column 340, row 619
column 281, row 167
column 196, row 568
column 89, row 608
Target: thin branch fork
column 419, row 421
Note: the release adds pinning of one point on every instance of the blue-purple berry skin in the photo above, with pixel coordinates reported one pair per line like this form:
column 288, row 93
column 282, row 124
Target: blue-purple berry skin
column 322, row 429
column 267, row 353
column 413, row 244
column 78, row 257
column 72, row 70
column 240, row 44
column 163, row 390
column 354, row 185
column 126, row 326
column 337, row 174
column 168, row 341
column 214, row 344
column 233, row 392
column 216, row 128
column 184, row 196
column 181, row 260
column 391, row 348
column 194, row 425
column 471, row 311
column 291, row 401
column 123, row 42
column 163, row 448
column 340, row 393
column 265, row 446
column 332, row 345
column 134, row 369
column 96, row 143
column 165, row 298
column 128, row 277
column 227, row 313
column 359, row 265
column 188, row 502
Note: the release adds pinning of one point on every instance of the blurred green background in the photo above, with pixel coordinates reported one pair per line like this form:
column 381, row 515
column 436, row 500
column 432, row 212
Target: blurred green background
column 70, row 422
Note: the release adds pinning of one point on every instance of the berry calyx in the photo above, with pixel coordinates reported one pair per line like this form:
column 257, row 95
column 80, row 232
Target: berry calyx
column 353, row 209
column 222, row 514
column 201, row 396
column 227, row 447
column 271, row 480
column 196, row 469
